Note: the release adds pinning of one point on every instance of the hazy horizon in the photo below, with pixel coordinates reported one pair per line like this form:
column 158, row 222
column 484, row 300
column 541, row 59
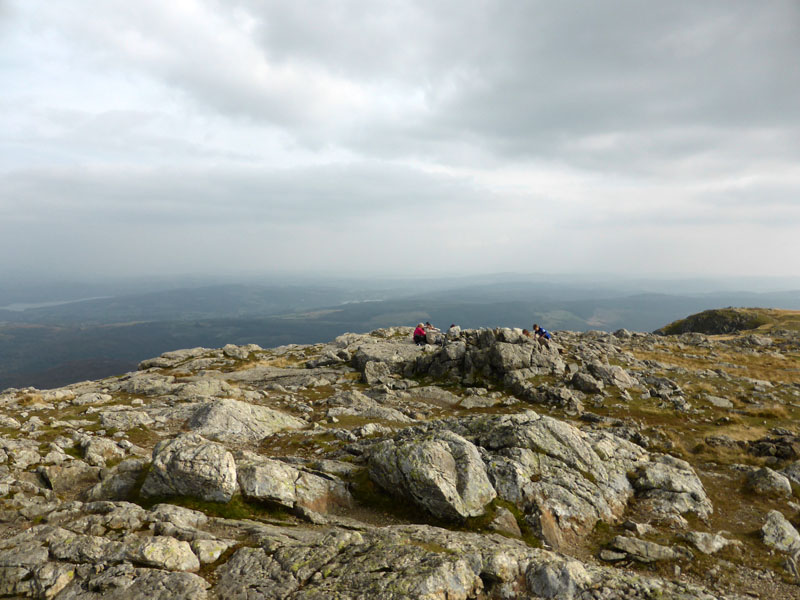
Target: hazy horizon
column 30, row 288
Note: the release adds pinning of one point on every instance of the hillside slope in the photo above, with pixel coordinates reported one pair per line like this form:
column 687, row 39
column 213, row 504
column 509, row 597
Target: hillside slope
column 608, row 466
column 733, row 320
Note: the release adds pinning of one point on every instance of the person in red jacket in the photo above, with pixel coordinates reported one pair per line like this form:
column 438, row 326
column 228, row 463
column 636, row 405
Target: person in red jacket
column 419, row 335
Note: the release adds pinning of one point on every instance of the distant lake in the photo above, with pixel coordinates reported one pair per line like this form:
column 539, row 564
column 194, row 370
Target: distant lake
column 22, row 306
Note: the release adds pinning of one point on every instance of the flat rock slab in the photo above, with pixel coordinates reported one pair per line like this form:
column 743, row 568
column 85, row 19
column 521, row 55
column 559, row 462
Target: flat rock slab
column 232, row 420
column 126, row 582
column 648, row 552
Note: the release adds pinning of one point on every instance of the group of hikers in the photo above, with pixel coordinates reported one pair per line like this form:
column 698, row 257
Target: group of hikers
column 425, row 333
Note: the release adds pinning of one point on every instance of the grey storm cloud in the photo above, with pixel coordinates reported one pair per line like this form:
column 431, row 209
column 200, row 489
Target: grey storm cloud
column 229, row 195
column 519, row 79
column 483, row 132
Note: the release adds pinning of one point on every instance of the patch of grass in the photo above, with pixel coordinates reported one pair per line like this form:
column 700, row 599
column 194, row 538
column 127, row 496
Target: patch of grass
column 73, row 452
column 481, row 523
column 237, row 508
column 143, row 436
column 113, row 462
column 301, row 443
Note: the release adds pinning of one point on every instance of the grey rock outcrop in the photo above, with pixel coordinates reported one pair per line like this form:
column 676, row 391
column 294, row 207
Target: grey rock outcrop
column 671, row 486
column 563, row 479
column 443, row 473
column 441, row 430
column 119, row 482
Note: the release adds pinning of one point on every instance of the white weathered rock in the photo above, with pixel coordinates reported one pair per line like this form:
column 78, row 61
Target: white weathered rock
column 190, row 465
column 96, row 451
column 172, row 359
column 564, row 479
column 564, row 580
column 612, row 375
column 276, row 481
column 178, row 515
column 73, row 477
column 149, row 384
column 209, row 551
column 206, row 387
column 778, row 533
column 228, row 419
column 709, row 543
column 586, row 383
column 719, row 402
column 354, row 403
column 92, row 398
column 23, row 457
column 162, row 553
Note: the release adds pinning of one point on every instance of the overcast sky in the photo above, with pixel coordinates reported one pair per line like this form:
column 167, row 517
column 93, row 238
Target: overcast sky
column 395, row 137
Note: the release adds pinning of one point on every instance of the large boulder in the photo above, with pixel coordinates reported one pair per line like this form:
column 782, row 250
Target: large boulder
column 229, row 419
column 780, row 534
column 611, row 375
column 190, row 465
column 766, row 482
column 443, row 473
column 276, row 481
column 69, row 478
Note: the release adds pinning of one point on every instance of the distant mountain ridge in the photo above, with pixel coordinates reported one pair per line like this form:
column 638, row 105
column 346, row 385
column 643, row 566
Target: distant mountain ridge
column 56, row 345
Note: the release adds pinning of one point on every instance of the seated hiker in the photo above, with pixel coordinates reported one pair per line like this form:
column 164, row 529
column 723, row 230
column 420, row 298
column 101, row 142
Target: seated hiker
column 453, row 332
column 541, row 334
column 433, row 334
column 526, row 333
column 419, row 335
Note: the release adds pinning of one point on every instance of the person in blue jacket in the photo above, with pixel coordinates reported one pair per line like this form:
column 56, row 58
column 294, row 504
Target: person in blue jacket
column 541, row 334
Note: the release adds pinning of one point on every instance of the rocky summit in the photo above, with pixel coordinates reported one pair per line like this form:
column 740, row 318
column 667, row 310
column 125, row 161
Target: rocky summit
column 598, row 466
